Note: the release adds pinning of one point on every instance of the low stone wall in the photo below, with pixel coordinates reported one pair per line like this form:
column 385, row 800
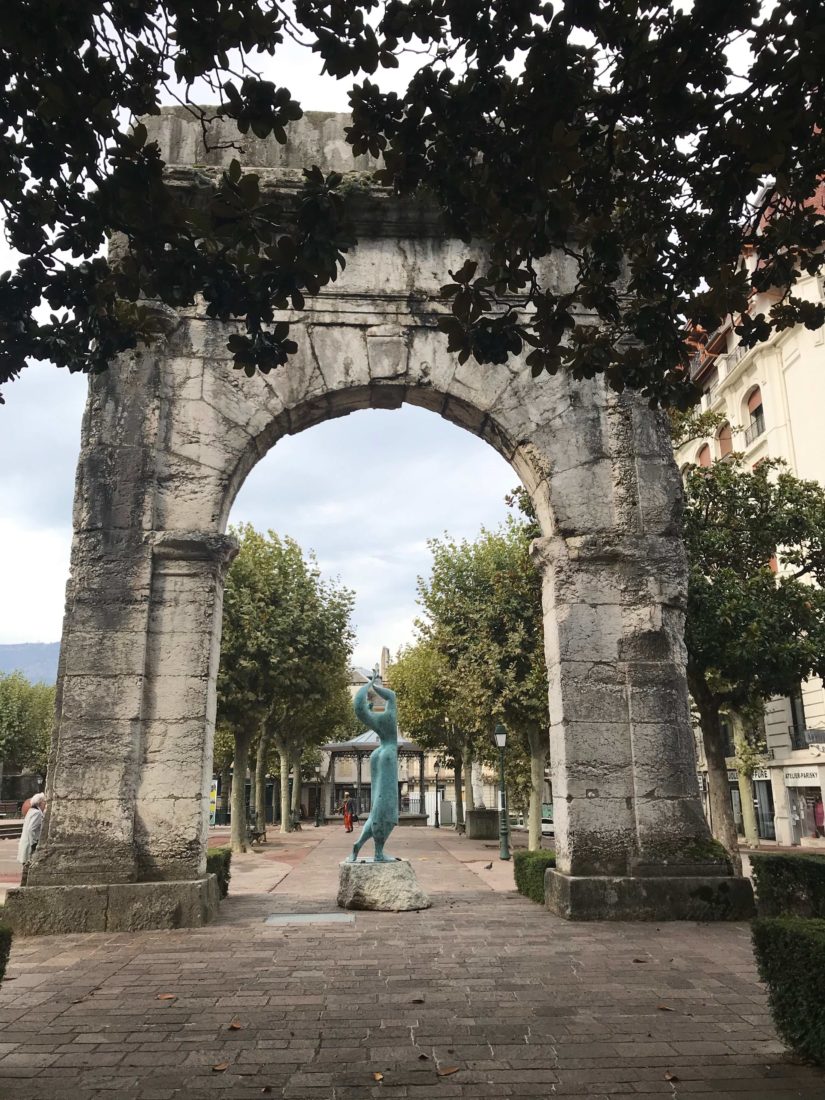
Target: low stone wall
column 113, row 907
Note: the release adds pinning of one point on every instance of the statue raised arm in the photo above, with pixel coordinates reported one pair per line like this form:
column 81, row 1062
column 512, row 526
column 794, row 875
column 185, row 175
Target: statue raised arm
column 383, row 768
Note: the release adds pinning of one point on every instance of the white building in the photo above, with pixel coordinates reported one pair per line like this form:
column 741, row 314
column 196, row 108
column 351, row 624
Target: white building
column 773, row 399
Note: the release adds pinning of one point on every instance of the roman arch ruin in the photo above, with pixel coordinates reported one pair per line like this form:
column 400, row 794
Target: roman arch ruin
column 170, row 433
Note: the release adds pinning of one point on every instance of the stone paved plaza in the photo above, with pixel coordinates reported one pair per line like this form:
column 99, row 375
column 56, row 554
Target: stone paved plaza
column 484, row 995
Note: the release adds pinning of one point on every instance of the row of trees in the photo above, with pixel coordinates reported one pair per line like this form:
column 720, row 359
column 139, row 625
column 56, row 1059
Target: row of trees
column 479, row 659
column 26, row 719
column 755, row 629
column 283, row 677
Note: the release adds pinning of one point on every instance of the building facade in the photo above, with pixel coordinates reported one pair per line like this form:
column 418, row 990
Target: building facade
column 772, row 397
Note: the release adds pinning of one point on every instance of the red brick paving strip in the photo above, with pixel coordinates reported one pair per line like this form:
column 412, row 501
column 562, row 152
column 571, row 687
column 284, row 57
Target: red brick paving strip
column 523, row 1004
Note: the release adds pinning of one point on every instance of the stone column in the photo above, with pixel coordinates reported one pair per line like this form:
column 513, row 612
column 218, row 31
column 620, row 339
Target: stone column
column 631, row 837
column 183, row 653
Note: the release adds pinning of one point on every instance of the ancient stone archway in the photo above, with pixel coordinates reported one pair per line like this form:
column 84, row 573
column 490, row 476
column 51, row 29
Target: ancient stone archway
column 171, row 432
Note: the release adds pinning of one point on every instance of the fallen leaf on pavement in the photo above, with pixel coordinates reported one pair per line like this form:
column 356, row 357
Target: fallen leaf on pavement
column 417, row 1001
column 378, row 1076
column 670, row 1076
column 664, row 1008
column 167, row 996
column 423, row 1057
column 267, row 1089
column 640, row 960
column 235, row 1025
column 447, row 1071
column 220, row 1067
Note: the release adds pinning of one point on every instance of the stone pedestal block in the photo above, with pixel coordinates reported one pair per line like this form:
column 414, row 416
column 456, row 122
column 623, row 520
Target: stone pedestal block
column 482, row 824
column 389, row 887
column 118, row 907
column 657, row 897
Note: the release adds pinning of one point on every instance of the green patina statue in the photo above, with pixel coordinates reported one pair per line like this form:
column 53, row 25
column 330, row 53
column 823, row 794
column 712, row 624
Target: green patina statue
column 383, row 768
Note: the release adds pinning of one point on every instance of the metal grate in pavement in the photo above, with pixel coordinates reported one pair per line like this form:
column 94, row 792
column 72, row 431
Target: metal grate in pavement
column 310, row 918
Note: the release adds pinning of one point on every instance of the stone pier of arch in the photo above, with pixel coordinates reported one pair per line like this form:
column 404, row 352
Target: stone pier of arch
column 170, row 433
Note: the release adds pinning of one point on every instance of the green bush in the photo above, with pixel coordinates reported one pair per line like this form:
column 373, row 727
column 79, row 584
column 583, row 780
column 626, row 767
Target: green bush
column 790, row 954
column 789, row 885
column 5, row 947
column 529, row 868
column 217, row 863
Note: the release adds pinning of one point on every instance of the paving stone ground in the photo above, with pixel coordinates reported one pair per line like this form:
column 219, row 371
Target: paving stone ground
column 484, row 995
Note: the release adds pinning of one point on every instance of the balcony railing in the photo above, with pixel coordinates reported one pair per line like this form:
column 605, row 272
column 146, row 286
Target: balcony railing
column 755, row 429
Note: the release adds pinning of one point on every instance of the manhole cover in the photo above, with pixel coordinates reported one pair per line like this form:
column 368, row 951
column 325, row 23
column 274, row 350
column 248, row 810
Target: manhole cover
column 310, row 918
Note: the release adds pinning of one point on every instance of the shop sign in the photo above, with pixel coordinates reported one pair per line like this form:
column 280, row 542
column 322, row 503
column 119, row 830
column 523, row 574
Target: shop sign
column 802, row 777
column 760, row 773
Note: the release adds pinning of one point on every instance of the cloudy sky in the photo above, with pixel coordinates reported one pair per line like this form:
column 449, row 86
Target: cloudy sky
column 365, row 492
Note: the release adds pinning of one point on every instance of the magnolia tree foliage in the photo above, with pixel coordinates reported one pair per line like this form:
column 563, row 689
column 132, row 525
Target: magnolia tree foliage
column 285, row 654
column 482, row 603
column 751, row 633
column 634, row 139
column 26, row 720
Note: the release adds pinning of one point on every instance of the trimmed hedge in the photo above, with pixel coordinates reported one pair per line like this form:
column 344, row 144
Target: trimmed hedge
column 789, row 885
column 217, row 863
column 529, row 868
column 5, row 947
column 790, row 954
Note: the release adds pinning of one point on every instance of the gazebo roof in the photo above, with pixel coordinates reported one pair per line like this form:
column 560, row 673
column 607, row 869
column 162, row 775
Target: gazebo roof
column 366, row 742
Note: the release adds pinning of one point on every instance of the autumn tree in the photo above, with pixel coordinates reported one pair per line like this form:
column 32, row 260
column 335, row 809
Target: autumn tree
column 751, row 632
column 284, row 658
column 483, row 611
column 433, row 710
column 645, row 146
column 26, row 720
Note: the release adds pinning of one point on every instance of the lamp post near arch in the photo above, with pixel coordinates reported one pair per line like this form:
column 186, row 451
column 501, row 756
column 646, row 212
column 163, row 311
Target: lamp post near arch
column 504, row 831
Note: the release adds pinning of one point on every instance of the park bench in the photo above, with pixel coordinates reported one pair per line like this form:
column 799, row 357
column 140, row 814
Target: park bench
column 253, row 831
column 9, row 809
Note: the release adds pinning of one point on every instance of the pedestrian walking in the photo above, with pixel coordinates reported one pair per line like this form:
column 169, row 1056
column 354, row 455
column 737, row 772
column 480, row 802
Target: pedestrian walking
column 32, row 826
column 348, row 810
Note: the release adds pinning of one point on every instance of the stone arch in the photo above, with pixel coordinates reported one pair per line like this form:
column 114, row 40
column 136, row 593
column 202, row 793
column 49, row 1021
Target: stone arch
column 170, row 433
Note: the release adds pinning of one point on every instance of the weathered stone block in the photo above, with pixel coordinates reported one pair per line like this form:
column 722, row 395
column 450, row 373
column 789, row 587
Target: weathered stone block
column 46, row 910
column 388, row 887
column 482, row 824
column 654, row 898
column 125, row 907
column 140, row 906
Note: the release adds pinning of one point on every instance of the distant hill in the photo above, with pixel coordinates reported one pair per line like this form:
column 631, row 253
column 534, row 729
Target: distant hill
column 36, row 660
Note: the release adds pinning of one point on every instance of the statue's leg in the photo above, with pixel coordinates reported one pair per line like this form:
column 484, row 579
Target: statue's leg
column 380, row 841
column 366, row 833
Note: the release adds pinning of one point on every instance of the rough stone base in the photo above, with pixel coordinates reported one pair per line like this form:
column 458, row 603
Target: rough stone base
column 389, row 887
column 660, row 898
column 482, row 824
column 121, row 907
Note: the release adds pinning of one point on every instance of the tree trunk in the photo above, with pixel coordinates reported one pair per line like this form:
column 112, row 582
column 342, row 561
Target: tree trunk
column 260, row 778
column 469, row 794
column 459, row 791
column 253, row 802
column 539, row 747
column 296, row 787
column 286, row 817
column 721, row 809
column 223, row 804
column 745, row 786
column 243, row 739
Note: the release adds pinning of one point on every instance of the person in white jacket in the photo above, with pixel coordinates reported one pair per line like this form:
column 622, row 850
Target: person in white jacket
column 32, row 826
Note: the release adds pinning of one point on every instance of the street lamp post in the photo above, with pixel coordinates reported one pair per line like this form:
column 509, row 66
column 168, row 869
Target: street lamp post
column 504, row 831
column 317, row 795
column 437, row 822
